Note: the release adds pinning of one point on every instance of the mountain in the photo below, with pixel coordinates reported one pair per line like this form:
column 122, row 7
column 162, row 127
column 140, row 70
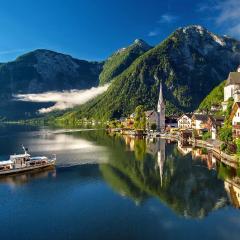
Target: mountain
column 122, row 59
column 41, row 71
column 215, row 97
column 189, row 63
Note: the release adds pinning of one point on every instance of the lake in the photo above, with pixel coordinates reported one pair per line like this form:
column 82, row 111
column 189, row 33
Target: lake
column 114, row 187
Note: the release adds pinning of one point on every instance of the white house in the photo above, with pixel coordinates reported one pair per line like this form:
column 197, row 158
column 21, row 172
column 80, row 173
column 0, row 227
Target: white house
column 199, row 122
column 185, row 121
column 235, row 117
column 232, row 88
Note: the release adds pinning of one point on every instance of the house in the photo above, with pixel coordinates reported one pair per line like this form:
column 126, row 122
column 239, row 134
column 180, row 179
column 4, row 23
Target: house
column 232, row 88
column 216, row 108
column 185, row 121
column 171, row 122
column 151, row 119
column 199, row 123
column 235, row 118
column 213, row 125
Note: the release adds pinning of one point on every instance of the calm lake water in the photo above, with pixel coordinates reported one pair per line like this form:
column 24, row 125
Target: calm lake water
column 110, row 187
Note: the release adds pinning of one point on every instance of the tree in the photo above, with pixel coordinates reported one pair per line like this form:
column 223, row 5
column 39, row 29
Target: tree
column 206, row 136
column 225, row 134
column 238, row 148
column 154, row 126
column 140, row 118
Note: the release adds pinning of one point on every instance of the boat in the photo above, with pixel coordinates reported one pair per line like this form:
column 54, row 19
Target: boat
column 19, row 163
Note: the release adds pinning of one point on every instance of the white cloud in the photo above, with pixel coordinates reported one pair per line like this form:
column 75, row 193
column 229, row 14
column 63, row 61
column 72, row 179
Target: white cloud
column 63, row 100
column 225, row 14
column 167, row 18
column 229, row 11
column 154, row 33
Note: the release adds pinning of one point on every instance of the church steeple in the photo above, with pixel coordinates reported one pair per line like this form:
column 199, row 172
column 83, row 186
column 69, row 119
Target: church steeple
column 161, row 110
column 160, row 99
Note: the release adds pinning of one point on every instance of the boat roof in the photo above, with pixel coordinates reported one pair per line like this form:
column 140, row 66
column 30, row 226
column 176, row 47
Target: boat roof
column 19, row 155
column 38, row 158
column 6, row 162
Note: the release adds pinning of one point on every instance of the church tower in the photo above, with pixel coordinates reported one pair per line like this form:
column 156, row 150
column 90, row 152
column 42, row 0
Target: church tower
column 161, row 111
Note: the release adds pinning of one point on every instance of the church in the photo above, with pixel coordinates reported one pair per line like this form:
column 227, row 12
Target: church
column 157, row 118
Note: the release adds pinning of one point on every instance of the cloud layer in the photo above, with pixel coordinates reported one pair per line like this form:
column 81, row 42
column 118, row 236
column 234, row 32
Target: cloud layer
column 63, row 100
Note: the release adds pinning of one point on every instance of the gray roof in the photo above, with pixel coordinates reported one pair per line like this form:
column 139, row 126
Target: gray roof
column 201, row 117
column 233, row 78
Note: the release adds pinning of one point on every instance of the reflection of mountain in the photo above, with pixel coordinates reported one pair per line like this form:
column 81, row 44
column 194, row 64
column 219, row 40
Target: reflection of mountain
column 186, row 186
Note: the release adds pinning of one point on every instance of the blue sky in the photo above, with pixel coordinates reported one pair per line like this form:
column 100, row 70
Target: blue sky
column 94, row 29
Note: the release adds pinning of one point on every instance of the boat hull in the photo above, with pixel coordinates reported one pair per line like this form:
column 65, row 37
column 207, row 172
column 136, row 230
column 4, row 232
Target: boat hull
column 27, row 169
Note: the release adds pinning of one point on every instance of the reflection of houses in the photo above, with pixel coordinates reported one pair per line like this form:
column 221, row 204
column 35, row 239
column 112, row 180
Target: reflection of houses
column 185, row 121
column 232, row 88
column 184, row 150
column 235, row 118
column 199, row 123
column 233, row 190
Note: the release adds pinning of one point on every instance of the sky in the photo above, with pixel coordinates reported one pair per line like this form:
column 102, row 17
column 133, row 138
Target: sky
column 94, row 29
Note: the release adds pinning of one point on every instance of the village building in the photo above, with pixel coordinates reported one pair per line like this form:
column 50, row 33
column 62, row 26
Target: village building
column 235, row 118
column 214, row 123
column 185, row 121
column 151, row 120
column 232, row 88
column 171, row 122
column 157, row 118
column 199, row 123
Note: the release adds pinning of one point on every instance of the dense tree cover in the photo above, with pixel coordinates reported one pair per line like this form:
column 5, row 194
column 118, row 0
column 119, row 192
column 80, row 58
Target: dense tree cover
column 179, row 63
column 121, row 60
column 215, row 97
column 140, row 118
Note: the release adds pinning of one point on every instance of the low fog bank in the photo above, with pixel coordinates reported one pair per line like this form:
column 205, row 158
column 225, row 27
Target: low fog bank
column 62, row 100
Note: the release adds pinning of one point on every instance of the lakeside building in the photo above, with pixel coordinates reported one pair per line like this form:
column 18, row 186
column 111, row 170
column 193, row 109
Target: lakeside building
column 232, row 88
column 151, row 119
column 214, row 123
column 199, row 123
column 235, row 118
column 157, row 118
column 185, row 121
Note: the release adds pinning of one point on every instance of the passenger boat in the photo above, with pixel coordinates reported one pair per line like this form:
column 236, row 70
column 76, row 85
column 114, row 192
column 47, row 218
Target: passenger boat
column 18, row 163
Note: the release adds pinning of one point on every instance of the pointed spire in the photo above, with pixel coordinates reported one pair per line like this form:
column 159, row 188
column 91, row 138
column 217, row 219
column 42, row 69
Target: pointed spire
column 160, row 99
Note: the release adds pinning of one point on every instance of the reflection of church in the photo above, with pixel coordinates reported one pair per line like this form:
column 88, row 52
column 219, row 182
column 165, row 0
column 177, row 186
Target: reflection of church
column 161, row 143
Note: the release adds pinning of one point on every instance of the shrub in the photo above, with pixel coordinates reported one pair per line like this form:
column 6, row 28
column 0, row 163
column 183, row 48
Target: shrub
column 231, row 148
column 206, row 136
column 223, row 147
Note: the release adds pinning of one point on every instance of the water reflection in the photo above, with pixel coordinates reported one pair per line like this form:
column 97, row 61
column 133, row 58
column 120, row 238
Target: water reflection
column 20, row 179
column 186, row 179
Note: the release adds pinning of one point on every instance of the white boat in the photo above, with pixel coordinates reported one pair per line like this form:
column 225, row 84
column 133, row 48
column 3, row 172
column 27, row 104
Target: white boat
column 18, row 163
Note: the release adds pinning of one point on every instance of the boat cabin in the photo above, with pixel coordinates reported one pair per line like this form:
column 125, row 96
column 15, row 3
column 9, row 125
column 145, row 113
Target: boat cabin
column 20, row 160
